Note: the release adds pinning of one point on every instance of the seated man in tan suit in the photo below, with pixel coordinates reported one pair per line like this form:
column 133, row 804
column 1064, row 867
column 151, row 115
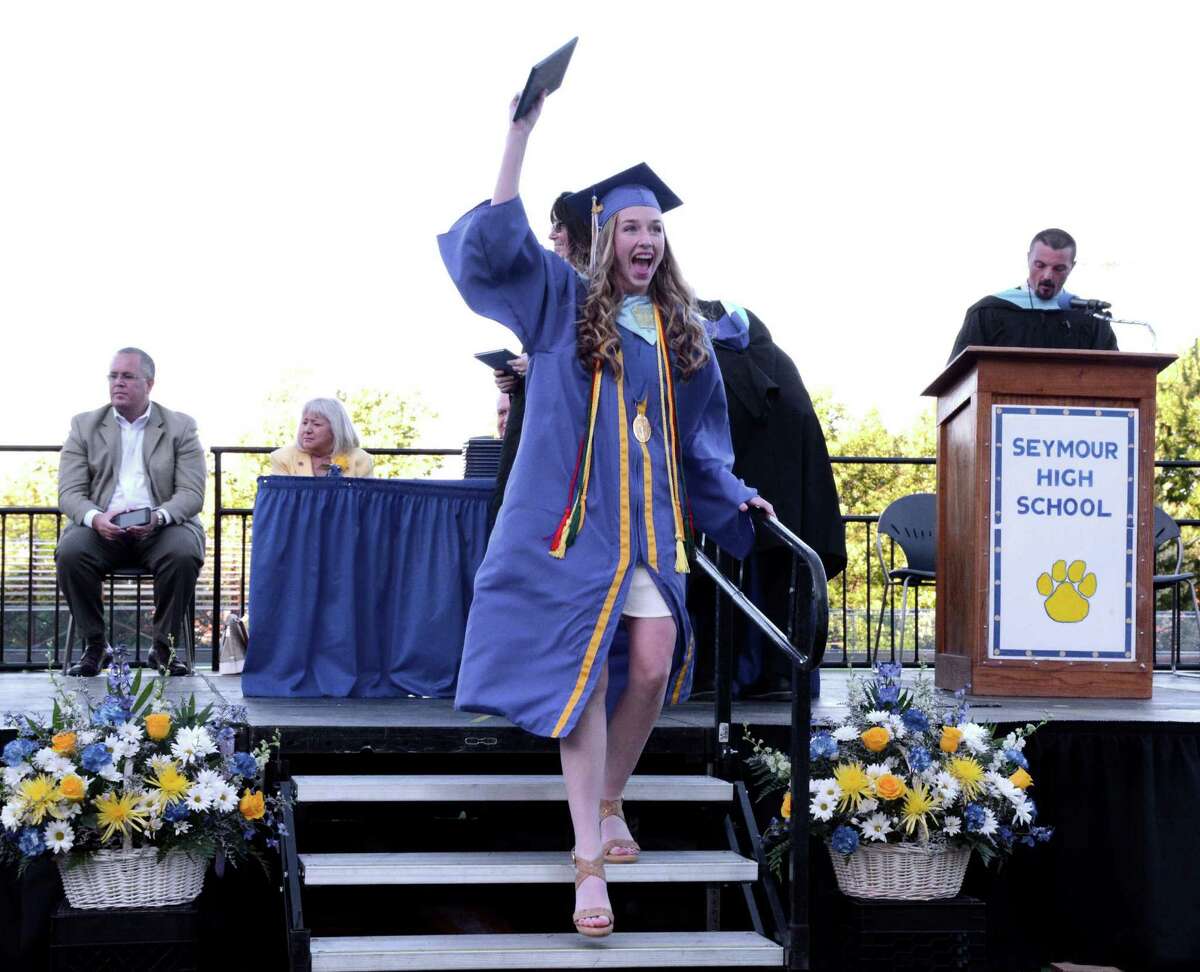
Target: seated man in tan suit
column 131, row 455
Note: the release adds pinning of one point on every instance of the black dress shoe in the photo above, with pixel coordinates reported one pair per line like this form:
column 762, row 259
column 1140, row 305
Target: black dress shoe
column 166, row 663
column 89, row 665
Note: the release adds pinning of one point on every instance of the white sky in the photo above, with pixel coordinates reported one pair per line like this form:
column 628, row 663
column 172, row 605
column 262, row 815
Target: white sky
column 246, row 189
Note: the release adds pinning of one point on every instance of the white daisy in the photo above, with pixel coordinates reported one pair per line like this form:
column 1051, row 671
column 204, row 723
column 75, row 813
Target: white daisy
column 821, row 807
column 975, row 737
column 896, row 724
column 192, row 744
column 198, row 798
column 60, row 838
column 225, row 799
column 946, row 787
column 877, row 826
column 209, row 779
column 952, row 826
column 44, row 757
column 868, row 805
column 160, row 763
column 14, row 774
column 112, row 773
column 70, row 809
column 86, row 738
column 845, row 733
column 59, row 767
column 130, row 732
column 153, row 825
column 1021, row 812
column 876, row 717
column 876, row 770
column 182, row 827
column 989, row 823
column 120, row 747
column 10, row 816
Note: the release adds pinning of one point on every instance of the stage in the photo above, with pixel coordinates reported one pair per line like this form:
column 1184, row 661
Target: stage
column 1118, row 780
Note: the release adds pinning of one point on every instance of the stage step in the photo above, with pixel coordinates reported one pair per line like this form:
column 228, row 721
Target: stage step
column 549, row 951
column 398, row 789
column 520, row 867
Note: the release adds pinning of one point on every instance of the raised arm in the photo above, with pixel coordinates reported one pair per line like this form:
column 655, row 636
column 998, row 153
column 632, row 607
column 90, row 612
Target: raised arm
column 508, row 182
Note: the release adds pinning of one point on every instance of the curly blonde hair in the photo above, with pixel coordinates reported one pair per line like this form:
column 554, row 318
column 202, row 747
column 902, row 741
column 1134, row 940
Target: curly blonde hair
column 597, row 339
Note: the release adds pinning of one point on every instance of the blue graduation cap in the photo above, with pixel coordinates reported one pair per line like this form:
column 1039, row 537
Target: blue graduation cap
column 636, row 186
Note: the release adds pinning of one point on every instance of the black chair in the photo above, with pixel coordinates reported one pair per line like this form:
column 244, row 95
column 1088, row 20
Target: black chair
column 911, row 522
column 139, row 574
column 1166, row 530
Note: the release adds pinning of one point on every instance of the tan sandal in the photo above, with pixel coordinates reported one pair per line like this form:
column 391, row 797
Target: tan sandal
column 612, row 808
column 583, row 870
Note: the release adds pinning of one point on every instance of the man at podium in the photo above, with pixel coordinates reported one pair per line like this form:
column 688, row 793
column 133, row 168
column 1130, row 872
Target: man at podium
column 1039, row 313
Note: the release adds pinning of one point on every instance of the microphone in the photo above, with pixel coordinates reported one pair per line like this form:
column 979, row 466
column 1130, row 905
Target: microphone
column 1082, row 303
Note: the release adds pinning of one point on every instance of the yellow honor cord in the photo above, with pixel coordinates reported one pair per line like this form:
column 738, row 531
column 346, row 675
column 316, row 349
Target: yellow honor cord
column 666, row 400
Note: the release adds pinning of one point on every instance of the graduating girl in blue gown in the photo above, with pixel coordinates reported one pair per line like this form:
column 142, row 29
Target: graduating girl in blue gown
column 624, row 452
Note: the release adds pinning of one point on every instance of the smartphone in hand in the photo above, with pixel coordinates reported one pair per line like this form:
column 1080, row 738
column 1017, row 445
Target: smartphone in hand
column 132, row 518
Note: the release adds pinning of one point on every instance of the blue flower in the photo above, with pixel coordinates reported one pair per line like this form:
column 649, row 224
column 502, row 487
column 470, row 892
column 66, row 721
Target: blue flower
column 175, row 811
column 244, row 765
column 1005, row 834
column 822, row 746
column 915, row 720
column 976, row 817
column 1015, row 756
column 889, row 693
column 18, row 751
column 1041, row 834
column 31, row 842
column 110, row 713
column 844, row 840
column 920, row 759
column 226, row 742
column 248, row 833
column 889, row 670
column 95, row 757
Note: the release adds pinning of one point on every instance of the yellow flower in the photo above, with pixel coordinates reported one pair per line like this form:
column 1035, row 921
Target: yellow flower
column 876, row 738
column 342, row 462
column 1020, row 779
column 63, row 743
column 918, row 804
column 969, row 774
column 890, row 787
column 170, row 784
column 119, row 814
column 786, row 809
column 72, row 787
column 158, row 725
column 952, row 736
column 854, row 782
column 252, row 805
column 40, row 795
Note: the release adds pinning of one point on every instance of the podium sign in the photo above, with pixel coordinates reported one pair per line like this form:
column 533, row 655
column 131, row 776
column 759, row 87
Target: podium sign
column 1045, row 517
column 1063, row 529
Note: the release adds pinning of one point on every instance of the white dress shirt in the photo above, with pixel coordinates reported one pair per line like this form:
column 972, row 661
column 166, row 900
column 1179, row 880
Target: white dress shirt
column 133, row 485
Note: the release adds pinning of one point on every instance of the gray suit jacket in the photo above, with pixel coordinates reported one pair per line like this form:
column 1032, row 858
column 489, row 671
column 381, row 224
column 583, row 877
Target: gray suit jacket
column 91, row 457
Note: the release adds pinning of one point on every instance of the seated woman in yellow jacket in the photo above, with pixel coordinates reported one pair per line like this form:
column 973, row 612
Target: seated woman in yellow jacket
column 326, row 438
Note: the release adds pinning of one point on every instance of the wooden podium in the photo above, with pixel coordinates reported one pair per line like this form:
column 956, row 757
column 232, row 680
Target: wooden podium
column 991, row 540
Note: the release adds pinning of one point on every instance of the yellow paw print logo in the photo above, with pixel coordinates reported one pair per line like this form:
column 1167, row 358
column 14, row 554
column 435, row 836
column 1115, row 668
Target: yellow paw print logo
column 1066, row 590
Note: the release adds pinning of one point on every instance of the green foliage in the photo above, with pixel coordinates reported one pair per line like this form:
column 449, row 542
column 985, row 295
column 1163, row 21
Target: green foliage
column 1177, row 436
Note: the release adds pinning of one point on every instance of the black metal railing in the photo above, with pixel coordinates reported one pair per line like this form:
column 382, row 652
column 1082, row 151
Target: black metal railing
column 803, row 645
column 32, row 609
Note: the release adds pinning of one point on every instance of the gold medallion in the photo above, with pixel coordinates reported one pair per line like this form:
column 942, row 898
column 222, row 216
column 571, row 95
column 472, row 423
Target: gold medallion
column 641, row 428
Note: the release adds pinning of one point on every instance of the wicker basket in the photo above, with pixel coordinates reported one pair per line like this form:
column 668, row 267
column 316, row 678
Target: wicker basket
column 133, row 879
column 914, row 872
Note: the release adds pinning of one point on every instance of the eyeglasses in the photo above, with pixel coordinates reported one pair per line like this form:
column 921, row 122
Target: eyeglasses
column 123, row 376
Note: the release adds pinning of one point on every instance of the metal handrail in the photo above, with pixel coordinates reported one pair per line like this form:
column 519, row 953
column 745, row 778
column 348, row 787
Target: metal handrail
column 804, row 647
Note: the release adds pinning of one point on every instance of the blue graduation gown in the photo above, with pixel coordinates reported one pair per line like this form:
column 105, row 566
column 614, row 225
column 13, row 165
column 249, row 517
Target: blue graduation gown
column 540, row 628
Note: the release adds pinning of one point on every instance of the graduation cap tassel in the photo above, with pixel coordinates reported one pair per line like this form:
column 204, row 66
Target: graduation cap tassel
column 597, row 208
column 576, row 512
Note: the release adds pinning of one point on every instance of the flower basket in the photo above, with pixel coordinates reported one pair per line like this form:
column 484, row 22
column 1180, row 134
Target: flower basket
column 133, row 879
column 912, row 872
